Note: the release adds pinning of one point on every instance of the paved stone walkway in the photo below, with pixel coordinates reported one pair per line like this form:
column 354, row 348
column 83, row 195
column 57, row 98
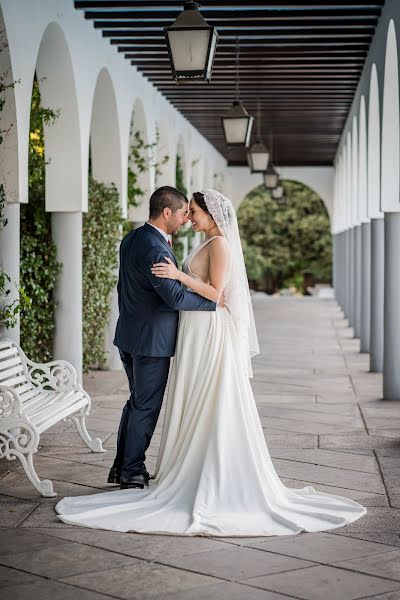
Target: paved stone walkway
column 325, row 425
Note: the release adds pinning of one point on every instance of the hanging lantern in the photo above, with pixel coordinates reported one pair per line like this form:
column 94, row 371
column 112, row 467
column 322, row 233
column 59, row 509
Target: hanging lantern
column 271, row 177
column 277, row 193
column 237, row 125
column 258, row 155
column 236, row 122
column 191, row 44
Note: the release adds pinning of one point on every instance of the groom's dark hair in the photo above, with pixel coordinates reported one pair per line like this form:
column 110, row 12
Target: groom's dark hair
column 166, row 197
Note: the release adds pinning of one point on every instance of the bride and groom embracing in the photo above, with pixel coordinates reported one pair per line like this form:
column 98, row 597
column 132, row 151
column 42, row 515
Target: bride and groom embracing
column 214, row 475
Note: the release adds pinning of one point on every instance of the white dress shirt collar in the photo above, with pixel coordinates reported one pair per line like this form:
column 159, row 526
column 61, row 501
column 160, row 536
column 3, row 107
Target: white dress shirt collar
column 165, row 235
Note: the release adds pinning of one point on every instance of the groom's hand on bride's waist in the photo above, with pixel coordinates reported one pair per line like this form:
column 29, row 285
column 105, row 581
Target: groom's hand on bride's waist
column 221, row 301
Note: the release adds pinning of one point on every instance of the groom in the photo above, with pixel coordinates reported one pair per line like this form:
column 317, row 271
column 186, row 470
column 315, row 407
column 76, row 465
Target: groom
column 147, row 329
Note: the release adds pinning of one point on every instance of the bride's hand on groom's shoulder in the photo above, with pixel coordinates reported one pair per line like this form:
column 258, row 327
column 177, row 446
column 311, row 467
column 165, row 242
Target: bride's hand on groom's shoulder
column 166, row 270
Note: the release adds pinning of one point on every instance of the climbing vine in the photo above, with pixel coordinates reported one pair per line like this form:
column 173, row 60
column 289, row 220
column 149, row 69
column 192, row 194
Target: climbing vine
column 100, row 235
column 39, row 265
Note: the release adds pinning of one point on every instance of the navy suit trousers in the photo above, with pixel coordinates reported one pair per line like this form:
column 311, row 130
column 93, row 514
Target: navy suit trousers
column 147, row 376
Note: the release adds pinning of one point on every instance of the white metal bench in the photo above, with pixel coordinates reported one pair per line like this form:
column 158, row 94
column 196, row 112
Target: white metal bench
column 33, row 397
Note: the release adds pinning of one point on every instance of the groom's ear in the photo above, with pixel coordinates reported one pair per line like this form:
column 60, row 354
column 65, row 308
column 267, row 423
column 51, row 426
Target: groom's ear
column 167, row 212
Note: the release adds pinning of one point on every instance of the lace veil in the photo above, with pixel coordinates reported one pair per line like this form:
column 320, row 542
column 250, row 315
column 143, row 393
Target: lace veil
column 237, row 293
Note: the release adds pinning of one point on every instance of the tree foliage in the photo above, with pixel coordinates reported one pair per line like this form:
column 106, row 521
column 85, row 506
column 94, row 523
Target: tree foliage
column 285, row 240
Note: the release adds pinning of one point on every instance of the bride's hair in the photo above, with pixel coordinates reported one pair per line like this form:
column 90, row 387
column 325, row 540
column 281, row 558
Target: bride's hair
column 200, row 201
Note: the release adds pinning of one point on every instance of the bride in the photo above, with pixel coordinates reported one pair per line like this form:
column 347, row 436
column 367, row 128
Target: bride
column 214, row 475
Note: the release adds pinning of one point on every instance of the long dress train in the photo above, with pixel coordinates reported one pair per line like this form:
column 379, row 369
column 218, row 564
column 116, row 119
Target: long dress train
column 214, row 474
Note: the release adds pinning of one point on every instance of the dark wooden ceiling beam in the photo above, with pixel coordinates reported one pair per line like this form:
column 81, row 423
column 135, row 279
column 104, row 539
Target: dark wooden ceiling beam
column 262, row 13
column 162, row 4
column 241, row 23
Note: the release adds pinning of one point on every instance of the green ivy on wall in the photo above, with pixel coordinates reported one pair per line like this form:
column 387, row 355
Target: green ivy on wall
column 100, row 237
column 39, row 265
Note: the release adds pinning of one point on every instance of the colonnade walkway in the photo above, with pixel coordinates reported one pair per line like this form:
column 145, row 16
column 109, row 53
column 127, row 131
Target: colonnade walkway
column 325, row 425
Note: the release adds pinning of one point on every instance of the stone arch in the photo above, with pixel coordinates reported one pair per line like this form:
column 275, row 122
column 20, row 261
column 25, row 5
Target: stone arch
column 105, row 142
column 66, row 188
column 390, row 157
column 374, row 147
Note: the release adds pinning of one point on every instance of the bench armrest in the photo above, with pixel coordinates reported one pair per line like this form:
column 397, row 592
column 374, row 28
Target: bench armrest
column 57, row 375
column 10, row 404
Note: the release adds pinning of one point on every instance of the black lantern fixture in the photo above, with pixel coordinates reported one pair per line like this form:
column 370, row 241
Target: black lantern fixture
column 237, row 123
column 277, row 193
column 271, row 176
column 258, row 155
column 191, row 44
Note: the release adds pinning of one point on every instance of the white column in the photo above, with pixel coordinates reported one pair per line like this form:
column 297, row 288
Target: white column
column 357, row 281
column 67, row 234
column 9, row 259
column 377, row 294
column 365, row 287
column 391, row 351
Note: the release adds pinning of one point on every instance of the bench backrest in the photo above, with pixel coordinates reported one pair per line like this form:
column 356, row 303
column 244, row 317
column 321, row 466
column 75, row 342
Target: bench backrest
column 13, row 370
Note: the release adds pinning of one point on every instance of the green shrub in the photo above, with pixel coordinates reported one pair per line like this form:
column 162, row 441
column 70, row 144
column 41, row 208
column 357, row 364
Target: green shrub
column 101, row 234
column 39, row 266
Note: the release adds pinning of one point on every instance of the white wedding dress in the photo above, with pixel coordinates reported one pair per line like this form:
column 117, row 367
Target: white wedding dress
column 214, row 475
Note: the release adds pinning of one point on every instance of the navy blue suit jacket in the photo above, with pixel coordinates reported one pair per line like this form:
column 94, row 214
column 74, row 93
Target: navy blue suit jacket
column 148, row 305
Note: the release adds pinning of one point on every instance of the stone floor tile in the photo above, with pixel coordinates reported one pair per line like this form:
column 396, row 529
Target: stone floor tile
column 386, row 564
column 16, row 541
column 277, row 439
column 335, row 476
column 356, row 495
column 44, row 516
column 103, row 383
column 10, row 577
column 13, row 510
column 18, row 483
column 387, row 596
column 302, row 426
column 224, row 591
column 51, row 590
column 321, row 547
column 236, row 563
column 68, row 439
column 327, row 583
column 329, row 458
column 358, row 439
column 140, row 581
column 62, row 560
column 147, row 547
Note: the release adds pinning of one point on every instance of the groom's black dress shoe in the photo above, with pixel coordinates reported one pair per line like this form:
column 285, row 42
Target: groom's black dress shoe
column 135, row 481
column 114, row 475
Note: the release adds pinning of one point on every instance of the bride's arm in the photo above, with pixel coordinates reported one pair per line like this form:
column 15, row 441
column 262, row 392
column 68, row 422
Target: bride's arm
column 218, row 250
